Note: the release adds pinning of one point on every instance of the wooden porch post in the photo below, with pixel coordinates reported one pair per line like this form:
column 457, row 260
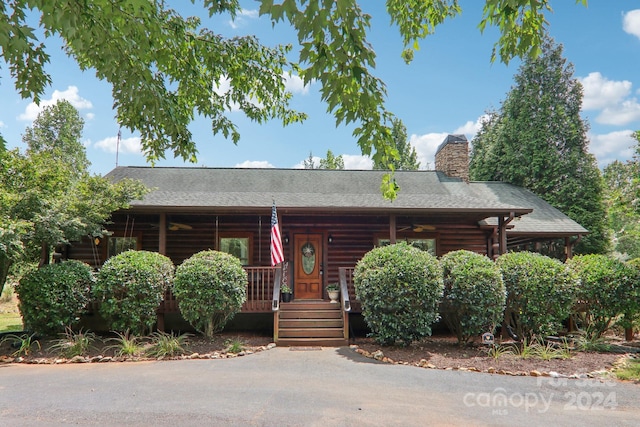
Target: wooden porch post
column 568, row 247
column 392, row 229
column 162, row 240
column 502, row 235
column 502, row 229
column 162, row 249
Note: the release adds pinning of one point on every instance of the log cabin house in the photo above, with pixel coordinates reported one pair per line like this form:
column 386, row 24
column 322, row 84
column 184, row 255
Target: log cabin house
column 329, row 219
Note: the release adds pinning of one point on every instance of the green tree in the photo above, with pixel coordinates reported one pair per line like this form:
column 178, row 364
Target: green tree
column 406, row 157
column 622, row 184
column 45, row 201
column 163, row 66
column 57, row 131
column 331, row 161
column 539, row 141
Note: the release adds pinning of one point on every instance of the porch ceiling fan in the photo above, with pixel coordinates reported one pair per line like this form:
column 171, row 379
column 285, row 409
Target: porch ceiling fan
column 417, row 228
column 175, row 226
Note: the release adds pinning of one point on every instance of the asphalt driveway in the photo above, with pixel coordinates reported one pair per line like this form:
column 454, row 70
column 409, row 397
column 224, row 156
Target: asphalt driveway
column 301, row 387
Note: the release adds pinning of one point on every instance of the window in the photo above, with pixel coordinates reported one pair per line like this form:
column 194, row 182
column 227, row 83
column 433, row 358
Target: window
column 425, row 244
column 115, row 245
column 240, row 247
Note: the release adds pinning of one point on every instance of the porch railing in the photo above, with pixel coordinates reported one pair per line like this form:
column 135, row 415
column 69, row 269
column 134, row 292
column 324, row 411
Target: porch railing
column 346, row 276
column 263, row 291
column 260, row 288
column 260, row 291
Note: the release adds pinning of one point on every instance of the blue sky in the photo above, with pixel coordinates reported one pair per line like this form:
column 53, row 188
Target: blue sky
column 447, row 89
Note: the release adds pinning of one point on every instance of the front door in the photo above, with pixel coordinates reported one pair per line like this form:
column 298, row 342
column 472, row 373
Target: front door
column 308, row 266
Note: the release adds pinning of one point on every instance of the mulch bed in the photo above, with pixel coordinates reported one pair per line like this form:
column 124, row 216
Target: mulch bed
column 437, row 352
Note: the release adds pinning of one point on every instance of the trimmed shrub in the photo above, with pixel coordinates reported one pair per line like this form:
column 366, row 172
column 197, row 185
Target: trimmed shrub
column 130, row 287
column 540, row 293
column 608, row 289
column 399, row 288
column 474, row 294
column 631, row 317
column 210, row 287
column 54, row 296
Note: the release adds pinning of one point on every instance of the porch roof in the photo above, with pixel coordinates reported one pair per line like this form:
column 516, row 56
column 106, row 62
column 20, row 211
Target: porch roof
column 297, row 189
column 176, row 189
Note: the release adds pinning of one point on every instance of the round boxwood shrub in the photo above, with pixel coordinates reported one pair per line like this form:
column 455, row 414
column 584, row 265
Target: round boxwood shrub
column 474, row 294
column 130, row 287
column 399, row 287
column 210, row 287
column 53, row 297
column 608, row 289
column 540, row 293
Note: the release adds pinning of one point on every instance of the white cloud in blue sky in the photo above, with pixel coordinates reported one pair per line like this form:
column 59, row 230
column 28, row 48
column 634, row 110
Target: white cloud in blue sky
column 71, row 94
column 631, row 22
column 243, row 18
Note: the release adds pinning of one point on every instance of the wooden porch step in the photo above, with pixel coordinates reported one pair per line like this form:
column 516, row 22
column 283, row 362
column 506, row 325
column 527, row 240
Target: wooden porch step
column 312, row 342
column 311, row 333
column 310, row 323
column 313, row 322
column 311, row 314
column 309, row 305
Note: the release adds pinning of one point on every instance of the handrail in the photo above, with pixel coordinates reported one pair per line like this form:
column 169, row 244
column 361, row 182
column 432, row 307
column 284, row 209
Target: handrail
column 275, row 302
column 344, row 290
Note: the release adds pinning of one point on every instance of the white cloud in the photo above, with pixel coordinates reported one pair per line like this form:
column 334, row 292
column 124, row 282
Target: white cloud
column 127, row 145
column 600, row 92
column 357, row 162
column 622, row 114
column 255, row 164
column 294, row 84
column 2, row 124
column 612, row 98
column 71, row 95
column 243, row 17
column 90, row 116
column 618, row 145
column 631, row 22
column 222, row 87
column 426, row 146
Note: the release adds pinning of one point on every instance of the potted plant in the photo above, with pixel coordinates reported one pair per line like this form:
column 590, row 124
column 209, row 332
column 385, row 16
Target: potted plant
column 333, row 290
column 286, row 293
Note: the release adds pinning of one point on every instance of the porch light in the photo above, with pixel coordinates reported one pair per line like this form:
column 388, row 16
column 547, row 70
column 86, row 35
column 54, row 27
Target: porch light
column 286, row 239
column 330, row 238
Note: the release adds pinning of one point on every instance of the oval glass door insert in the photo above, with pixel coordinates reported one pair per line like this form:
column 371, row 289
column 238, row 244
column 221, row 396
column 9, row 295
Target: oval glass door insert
column 308, row 258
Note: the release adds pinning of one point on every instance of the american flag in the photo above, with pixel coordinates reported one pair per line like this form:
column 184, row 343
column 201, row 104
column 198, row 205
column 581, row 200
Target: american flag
column 277, row 254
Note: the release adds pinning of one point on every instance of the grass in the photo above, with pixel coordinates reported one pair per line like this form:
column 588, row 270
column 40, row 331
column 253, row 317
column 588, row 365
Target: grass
column 10, row 322
column 10, row 319
column 166, row 345
column 630, row 371
column 73, row 344
column 235, row 345
column 126, row 345
column 23, row 344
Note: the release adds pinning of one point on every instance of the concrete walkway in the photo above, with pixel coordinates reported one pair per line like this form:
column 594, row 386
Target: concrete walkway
column 301, row 387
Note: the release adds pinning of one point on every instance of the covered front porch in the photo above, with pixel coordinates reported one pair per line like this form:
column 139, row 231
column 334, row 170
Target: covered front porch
column 301, row 321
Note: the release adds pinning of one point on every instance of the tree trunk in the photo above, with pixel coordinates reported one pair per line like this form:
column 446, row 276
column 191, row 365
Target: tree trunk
column 628, row 334
column 5, row 264
column 44, row 255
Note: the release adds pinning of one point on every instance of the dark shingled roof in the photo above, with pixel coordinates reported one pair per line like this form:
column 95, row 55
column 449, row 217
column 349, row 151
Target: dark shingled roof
column 338, row 190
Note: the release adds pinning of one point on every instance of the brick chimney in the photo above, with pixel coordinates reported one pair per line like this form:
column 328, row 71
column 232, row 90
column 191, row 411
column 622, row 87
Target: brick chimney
column 452, row 157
